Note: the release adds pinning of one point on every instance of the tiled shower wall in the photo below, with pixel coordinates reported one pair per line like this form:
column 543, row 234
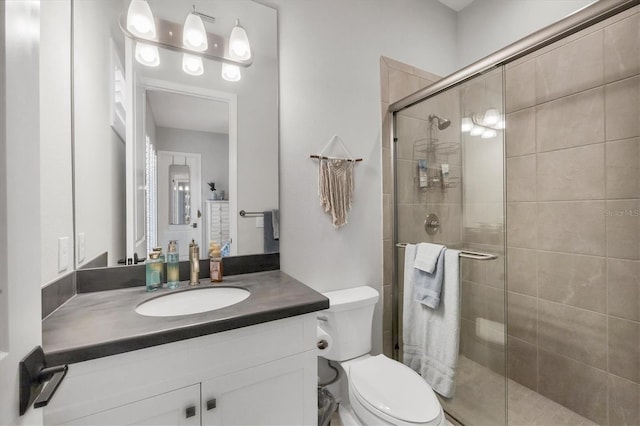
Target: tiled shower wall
column 397, row 80
column 573, row 222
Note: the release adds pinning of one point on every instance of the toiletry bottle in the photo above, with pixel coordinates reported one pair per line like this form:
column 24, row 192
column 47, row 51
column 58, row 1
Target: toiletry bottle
column 154, row 270
column 159, row 267
column 194, row 262
column 215, row 262
column 173, row 271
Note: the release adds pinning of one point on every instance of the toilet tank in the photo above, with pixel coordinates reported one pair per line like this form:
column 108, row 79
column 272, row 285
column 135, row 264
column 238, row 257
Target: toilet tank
column 348, row 321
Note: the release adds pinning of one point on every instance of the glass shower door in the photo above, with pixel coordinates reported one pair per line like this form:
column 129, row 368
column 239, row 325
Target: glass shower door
column 449, row 166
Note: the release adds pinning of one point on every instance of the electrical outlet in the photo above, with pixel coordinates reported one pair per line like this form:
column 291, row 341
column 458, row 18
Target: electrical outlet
column 81, row 246
column 63, row 254
column 260, row 222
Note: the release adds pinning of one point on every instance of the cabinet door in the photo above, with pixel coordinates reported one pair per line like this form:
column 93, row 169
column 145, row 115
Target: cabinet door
column 281, row 392
column 179, row 407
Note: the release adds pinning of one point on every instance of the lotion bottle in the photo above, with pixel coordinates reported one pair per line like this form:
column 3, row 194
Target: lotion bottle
column 215, row 262
column 173, row 271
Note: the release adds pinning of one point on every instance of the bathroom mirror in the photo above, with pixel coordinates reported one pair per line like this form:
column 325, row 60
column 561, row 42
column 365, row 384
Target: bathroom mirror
column 136, row 128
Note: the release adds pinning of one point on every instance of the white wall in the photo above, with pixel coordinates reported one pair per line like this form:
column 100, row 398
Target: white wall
column 330, row 84
column 20, row 200
column 99, row 152
column 213, row 149
column 486, row 26
column 55, row 136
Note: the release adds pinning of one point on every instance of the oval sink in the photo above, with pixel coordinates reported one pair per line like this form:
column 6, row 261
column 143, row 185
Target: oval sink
column 192, row 301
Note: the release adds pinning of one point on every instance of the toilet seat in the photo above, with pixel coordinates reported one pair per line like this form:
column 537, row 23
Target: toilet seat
column 393, row 392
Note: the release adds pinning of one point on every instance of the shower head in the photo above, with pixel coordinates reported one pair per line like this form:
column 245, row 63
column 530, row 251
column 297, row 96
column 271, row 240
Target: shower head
column 443, row 123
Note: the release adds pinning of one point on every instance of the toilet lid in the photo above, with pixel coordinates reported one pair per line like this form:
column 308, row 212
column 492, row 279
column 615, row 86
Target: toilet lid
column 394, row 389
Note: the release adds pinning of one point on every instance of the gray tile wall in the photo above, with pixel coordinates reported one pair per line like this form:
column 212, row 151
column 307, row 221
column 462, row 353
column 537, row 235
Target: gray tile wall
column 573, row 234
column 397, row 80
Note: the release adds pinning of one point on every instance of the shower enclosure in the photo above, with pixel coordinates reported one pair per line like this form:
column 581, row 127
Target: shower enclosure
column 534, row 160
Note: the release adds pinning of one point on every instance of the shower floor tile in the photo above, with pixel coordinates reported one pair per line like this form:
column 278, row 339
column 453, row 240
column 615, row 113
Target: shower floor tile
column 480, row 398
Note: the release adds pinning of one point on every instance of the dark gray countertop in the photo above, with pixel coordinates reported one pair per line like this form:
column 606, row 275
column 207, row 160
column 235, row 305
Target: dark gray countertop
column 94, row 325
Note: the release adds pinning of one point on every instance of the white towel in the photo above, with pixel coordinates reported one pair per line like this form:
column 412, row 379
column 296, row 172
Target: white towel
column 427, row 256
column 431, row 336
column 427, row 286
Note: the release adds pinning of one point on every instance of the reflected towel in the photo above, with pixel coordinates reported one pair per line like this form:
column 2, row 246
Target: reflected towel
column 271, row 245
column 431, row 337
column 427, row 285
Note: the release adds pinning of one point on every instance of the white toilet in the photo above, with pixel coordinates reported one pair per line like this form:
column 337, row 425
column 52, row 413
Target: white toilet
column 381, row 391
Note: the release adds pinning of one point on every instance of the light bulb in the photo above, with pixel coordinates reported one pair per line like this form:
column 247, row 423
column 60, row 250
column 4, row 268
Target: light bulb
column 501, row 124
column 147, row 54
column 239, row 47
column 467, row 124
column 231, row 72
column 491, row 116
column 192, row 64
column 476, row 131
column 140, row 19
column 489, row 133
column 194, row 36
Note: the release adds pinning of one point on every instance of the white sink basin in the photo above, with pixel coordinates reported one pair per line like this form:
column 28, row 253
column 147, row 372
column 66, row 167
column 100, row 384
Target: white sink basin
column 193, row 301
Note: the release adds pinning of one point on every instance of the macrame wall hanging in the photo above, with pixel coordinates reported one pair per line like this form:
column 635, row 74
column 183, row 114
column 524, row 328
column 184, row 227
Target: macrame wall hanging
column 335, row 182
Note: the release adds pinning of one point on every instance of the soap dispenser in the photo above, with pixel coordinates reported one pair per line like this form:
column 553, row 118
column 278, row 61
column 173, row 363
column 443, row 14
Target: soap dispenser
column 194, row 263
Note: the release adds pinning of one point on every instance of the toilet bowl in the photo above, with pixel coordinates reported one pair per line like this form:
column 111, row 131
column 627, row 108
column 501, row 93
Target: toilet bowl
column 381, row 391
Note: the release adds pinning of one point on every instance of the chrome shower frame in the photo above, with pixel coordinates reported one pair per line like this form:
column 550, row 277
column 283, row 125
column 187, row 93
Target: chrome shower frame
column 579, row 20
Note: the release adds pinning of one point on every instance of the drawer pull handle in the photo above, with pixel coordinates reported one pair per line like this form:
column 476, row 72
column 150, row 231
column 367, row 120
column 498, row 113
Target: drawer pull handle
column 211, row 404
column 190, row 411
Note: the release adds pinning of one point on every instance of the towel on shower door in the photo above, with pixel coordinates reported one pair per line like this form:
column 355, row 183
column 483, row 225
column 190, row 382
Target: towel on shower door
column 428, row 274
column 431, row 336
column 427, row 256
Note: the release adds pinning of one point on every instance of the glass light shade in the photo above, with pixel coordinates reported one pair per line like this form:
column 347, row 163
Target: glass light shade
column 239, row 47
column 231, row 72
column 192, row 64
column 491, row 116
column 147, row 54
column 501, row 124
column 140, row 19
column 466, row 125
column 489, row 133
column 476, row 131
column 194, row 36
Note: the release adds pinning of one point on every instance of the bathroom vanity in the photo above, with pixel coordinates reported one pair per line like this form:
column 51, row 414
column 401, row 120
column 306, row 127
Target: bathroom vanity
column 249, row 363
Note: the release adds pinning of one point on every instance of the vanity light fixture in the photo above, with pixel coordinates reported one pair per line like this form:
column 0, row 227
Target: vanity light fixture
column 147, row 54
column 466, row 125
column 484, row 124
column 239, row 46
column 231, row 72
column 140, row 20
column 491, row 117
column 190, row 38
column 192, row 64
column 488, row 134
column 194, row 35
column 476, row 130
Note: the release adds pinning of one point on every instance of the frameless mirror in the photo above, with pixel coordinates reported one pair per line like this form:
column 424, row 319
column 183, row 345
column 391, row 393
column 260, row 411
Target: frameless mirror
column 152, row 137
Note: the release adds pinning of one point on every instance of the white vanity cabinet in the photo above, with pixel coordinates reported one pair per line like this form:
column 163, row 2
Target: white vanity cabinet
column 261, row 374
column 179, row 408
